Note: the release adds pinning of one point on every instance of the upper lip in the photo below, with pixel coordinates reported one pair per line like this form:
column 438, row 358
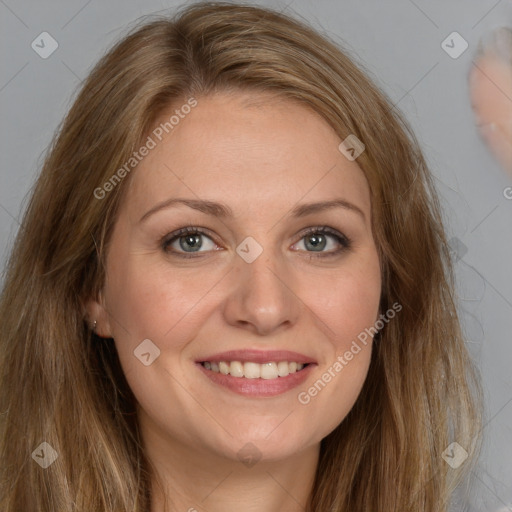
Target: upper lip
column 258, row 356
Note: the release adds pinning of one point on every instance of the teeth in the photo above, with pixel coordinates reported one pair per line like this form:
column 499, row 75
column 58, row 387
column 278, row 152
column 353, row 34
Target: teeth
column 236, row 369
column 269, row 371
column 283, row 368
column 249, row 370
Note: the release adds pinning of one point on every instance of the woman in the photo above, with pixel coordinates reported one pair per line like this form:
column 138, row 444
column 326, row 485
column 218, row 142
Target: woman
column 308, row 357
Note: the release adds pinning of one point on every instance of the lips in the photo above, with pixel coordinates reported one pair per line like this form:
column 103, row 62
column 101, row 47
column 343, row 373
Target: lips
column 258, row 356
column 257, row 373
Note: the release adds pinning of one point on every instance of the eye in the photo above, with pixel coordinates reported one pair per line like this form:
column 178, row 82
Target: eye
column 316, row 239
column 189, row 240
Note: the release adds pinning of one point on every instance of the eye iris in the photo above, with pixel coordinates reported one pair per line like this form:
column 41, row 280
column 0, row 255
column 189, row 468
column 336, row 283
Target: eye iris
column 316, row 241
column 194, row 242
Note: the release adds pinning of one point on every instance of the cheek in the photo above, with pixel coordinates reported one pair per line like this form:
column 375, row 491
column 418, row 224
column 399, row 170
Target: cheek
column 151, row 300
column 166, row 305
column 348, row 302
column 348, row 308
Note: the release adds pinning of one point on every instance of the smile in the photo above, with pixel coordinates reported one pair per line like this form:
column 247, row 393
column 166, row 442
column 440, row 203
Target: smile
column 253, row 370
column 256, row 373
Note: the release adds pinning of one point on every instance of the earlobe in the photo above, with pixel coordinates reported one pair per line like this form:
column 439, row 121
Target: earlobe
column 97, row 317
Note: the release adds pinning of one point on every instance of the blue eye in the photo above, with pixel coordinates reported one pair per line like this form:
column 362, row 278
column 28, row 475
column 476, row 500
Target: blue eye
column 187, row 238
column 318, row 239
column 187, row 242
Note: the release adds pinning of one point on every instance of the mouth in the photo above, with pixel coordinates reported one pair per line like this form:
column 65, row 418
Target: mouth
column 255, row 373
column 254, row 370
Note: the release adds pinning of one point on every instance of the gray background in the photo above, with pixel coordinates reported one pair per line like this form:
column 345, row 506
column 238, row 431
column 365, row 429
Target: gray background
column 399, row 42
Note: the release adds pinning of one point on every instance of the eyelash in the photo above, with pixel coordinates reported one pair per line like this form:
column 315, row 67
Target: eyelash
column 342, row 240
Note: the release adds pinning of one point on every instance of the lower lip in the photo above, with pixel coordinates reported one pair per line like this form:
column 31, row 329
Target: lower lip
column 259, row 387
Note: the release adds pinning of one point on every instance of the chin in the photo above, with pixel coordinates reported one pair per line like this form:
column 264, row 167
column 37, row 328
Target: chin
column 267, row 444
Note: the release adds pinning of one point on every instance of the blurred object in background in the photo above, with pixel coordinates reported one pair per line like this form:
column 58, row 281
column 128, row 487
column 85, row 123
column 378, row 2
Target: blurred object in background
column 490, row 84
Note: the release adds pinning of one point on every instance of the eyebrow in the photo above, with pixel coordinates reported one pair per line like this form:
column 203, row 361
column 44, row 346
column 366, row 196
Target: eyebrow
column 223, row 211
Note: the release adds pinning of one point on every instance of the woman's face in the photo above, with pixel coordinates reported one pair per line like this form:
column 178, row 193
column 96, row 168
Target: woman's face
column 253, row 289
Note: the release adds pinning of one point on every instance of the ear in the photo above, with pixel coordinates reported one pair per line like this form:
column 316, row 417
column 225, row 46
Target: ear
column 96, row 311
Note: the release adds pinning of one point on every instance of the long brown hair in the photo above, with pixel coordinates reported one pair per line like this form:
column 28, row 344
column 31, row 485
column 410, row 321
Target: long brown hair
column 61, row 385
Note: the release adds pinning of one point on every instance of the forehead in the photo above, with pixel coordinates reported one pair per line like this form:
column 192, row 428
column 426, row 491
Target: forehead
column 251, row 151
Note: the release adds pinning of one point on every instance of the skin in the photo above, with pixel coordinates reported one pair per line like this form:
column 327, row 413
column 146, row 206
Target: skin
column 490, row 83
column 267, row 157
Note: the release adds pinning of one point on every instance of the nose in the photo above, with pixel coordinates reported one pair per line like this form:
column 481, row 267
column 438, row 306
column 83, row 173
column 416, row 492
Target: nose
column 262, row 299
